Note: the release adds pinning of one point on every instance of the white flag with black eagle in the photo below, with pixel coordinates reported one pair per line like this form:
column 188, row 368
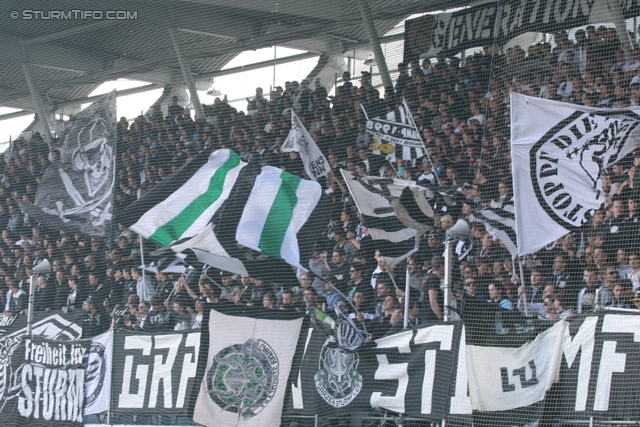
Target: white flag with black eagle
column 246, row 372
column 301, row 141
column 559, row 153
column 395, row 210
column 398, row 129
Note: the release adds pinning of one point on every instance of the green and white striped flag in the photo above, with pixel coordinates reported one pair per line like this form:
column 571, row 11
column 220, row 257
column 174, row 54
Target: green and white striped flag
column 238, row 217
column 182, row 205
column 277, row 207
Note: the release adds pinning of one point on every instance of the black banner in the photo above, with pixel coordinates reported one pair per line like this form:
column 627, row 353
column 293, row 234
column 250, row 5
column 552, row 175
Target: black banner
column 502, row 21
column 53, row 325
column 396, row 373
column 42, row 381
column 600, row 369
column 153, row 374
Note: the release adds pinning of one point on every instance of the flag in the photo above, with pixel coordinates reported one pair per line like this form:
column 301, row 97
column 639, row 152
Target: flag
column 535, row 367
column 394, row 210
column 398, row 128
column 559, row 153
column 98, row 374
column 75, row 194
column 183, row 203
column 300, row 140
column 246, row 373
column 270, row 222
column 499, row 220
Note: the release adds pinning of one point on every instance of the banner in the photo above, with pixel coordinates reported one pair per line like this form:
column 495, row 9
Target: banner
column 52, row 325
column 410, row 372
column 301, row 141
column 600, row 368
column 246, row 373
column 560, row 152
column 75, row 194
column 496, row 363
column 42, row 381
column 153, row 373
column 501, row 379
column 480, row 25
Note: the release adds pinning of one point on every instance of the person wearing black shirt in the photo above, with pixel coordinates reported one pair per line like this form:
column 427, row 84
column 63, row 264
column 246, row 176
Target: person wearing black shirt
column 164, row 286
column 99, row 291
column 159, row 318
column 45, row 295
column 432, row 294
column 96, row 320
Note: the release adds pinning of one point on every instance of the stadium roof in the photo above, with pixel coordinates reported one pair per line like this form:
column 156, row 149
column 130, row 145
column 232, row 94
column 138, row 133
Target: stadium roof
column 69, row 58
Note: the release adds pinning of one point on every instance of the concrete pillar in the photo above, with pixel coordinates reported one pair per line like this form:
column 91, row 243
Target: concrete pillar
column 37, row 101
column 186, row 73
column 374, row 41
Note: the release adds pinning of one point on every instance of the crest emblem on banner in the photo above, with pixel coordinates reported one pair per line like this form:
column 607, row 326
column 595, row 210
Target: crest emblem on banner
column 95, row 374
column 244, row 377
column 337, row 380
column 567, row 164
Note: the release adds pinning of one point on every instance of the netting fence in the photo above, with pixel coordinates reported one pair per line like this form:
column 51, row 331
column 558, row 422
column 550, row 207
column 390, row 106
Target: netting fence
column 441, row 231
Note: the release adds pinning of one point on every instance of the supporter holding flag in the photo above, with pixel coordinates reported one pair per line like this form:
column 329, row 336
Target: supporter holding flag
column 299, row 140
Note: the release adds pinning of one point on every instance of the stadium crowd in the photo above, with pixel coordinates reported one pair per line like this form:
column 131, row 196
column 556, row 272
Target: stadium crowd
column 462, row 111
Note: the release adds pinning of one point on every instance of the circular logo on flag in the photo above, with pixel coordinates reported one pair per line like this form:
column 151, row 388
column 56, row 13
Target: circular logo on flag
column 95, row 373
column 243, row 378
column 568, row 163
column 337, row 380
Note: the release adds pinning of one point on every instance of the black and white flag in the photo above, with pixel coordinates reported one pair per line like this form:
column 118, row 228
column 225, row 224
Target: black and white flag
column 98, row 374
column 395, row 210
column 499, row 220
column 398, row 129
column 76, row 192
column 301, row 141
column 560, row 152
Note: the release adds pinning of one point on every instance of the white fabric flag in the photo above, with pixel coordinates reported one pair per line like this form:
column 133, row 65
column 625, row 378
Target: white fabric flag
column 508, row 378
column 300, row 140
column 559, row 153
column 246, row 374
column 98, row 374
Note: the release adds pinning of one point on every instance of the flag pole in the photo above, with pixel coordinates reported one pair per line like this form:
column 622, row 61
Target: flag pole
column 524, row 294
column 448, row 277
column 407, row 289
column 408, row 112
column 142, row 259
column 32, row 291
